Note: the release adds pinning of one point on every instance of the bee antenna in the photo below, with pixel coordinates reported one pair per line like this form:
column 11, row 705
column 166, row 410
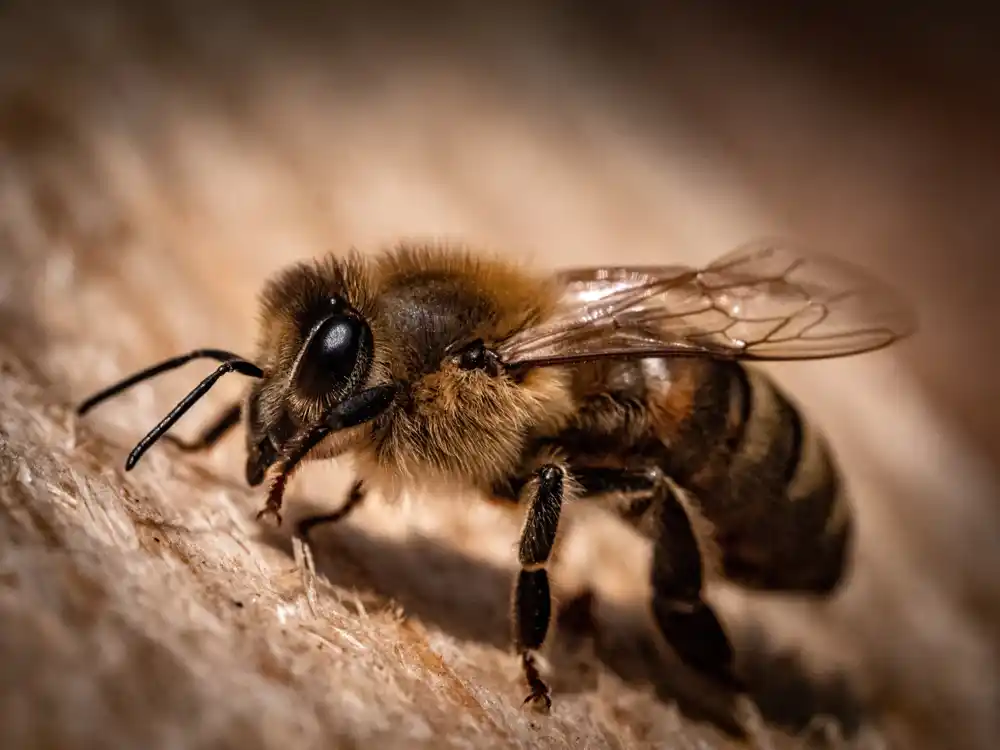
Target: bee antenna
column 151, row 372
column 242, row 366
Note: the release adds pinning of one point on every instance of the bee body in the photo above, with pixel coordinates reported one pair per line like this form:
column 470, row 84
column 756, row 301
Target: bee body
column 627, row 386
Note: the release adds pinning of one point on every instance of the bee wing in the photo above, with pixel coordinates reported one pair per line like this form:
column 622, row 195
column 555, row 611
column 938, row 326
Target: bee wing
column 762, row 301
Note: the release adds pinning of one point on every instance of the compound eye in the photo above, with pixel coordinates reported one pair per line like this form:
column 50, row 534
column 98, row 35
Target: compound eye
column 333, row 353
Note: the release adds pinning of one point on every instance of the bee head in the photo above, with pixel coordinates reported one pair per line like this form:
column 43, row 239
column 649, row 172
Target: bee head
column 332, row 363
column 316, row 348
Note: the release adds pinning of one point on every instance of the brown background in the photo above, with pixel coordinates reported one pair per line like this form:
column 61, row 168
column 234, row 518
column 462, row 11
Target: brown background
column 156, row 166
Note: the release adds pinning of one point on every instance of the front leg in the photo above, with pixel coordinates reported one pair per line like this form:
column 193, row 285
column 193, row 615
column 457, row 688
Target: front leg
column 363, row 407
column 532, row 602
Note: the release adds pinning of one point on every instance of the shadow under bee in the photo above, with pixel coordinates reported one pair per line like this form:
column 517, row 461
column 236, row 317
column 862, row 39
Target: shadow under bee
column 469, row 600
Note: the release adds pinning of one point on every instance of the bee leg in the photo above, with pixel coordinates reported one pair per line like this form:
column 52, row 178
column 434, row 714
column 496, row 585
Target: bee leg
column 687, row 622
column 363, row 407
column 532, row 598
column 354, row 499
column 212, row 434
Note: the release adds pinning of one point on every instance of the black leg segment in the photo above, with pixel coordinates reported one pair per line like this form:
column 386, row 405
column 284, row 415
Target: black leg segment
column 538, row 535
column 533, row 611
column 533, row 605
column 532, row 597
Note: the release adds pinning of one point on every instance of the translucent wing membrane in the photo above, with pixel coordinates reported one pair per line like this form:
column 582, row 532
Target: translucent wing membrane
column 762, row 301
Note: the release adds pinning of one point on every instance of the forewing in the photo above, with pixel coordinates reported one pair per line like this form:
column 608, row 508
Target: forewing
column 763, row 301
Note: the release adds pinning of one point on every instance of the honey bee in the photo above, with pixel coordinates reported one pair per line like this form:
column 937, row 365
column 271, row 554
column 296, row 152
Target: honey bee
column 628, row 386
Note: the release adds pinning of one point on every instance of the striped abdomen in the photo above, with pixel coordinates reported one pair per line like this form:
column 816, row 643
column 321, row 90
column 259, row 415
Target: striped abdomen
column 759, row 473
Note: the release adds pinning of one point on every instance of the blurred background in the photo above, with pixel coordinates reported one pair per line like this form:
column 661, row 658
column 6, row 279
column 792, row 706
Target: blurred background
column 157, row 163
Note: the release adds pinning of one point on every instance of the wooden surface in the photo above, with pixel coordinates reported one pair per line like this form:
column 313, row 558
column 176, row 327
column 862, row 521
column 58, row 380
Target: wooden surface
column 155, row 168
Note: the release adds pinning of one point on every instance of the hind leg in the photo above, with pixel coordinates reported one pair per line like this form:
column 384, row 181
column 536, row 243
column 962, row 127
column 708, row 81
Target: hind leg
column 686, row 621
column 648, row 501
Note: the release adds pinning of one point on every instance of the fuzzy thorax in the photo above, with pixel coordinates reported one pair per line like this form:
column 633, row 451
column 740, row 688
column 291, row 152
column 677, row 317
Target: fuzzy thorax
column 466, row 427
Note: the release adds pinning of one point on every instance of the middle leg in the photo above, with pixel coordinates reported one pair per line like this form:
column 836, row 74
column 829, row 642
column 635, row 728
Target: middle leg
column 686, row 620
column 647, row 500
column 354, row 498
